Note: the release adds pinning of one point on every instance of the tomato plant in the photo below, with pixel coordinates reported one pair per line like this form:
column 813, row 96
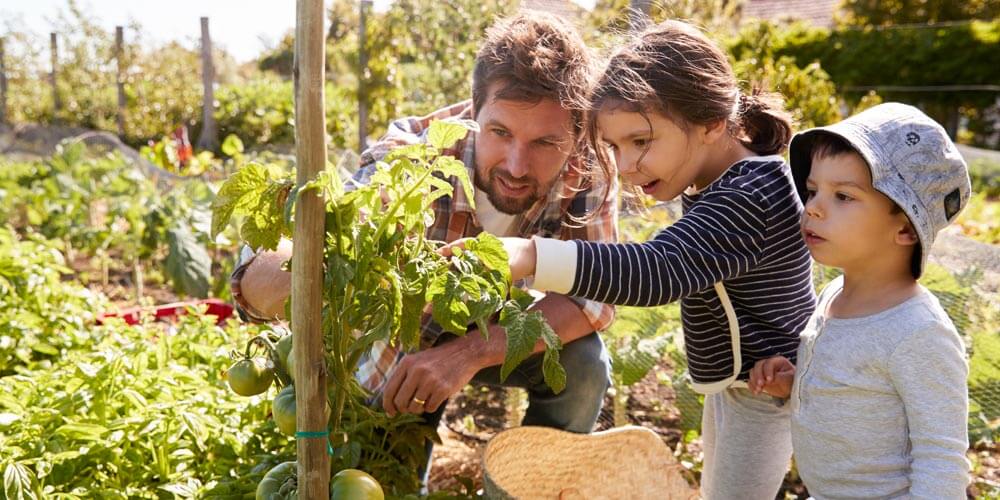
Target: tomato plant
column 379, row 273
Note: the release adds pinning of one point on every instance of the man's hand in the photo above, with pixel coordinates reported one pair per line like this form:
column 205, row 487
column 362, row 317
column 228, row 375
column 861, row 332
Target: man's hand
column 521, row 255
column 773, row 376
column 423, row 380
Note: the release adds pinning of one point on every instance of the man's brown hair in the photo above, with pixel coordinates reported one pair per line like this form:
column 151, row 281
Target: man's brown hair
column 535, row 56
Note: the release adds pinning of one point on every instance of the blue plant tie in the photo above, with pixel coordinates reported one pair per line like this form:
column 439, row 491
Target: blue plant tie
column 317, row 434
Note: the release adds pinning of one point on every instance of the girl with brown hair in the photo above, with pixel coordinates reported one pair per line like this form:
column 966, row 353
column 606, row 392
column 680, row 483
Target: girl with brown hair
column 668, row 116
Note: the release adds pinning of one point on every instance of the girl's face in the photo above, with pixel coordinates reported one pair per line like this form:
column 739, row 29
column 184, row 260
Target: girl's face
column 651, row 151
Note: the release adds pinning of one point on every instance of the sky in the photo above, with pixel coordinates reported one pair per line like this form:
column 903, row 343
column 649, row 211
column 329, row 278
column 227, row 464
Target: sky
column 244, row 28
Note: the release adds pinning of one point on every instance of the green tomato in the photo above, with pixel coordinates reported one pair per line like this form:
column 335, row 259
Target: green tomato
column 353, row 484
column 284, row 348
column 280, row 483
column 290, row 365
column 283, row 410
column 250, row 376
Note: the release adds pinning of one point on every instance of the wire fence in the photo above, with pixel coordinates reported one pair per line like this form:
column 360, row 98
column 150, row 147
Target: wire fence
column 973, row 309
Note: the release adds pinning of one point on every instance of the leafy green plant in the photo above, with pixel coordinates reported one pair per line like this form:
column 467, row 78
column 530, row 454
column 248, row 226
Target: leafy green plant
column 379, row 272
column 32, row 331
column 104, row 207
column 139, row 412
column 178, row 160
column 892, row 60
column 985, row 175
column 636, row 342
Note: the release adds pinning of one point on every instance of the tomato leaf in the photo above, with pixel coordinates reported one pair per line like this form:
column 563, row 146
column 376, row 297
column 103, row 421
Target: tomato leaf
column 522, row 334
column 490, row 251
column 443, row 134
column 239, row 191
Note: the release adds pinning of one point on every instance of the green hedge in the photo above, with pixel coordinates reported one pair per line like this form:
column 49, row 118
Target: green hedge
column 961, row 53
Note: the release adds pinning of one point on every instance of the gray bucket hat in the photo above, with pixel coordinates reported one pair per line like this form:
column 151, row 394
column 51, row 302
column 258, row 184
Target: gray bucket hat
column 912, row 161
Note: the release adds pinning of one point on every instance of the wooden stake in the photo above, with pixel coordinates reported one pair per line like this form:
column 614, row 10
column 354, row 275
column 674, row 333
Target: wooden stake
column 307, row 266
column 209, row 131
column 362, row 90
column 120, row 80
column 3, row 86
column 56, row 105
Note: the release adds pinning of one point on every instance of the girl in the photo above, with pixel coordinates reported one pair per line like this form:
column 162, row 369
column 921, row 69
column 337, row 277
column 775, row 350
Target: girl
column 668, row 115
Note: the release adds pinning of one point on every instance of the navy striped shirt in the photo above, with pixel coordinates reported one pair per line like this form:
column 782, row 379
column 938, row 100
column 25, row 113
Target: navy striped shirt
column 742, row 230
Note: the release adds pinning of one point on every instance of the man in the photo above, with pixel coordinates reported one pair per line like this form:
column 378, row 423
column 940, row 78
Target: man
column 530, row 179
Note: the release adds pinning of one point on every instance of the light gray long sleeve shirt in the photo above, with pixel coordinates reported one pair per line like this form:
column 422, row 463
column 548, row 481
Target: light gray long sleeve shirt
column 880, row 404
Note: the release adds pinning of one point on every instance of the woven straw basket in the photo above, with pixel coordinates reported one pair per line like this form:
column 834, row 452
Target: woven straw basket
column 623, row 463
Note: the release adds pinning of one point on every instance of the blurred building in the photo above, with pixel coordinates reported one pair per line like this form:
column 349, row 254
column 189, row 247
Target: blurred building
column 565, row 9
column 816, row 12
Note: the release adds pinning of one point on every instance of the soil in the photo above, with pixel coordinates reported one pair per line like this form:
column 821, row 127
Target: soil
column 478, row 413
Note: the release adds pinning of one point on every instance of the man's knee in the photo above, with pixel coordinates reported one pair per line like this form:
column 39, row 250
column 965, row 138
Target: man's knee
column 586, row 363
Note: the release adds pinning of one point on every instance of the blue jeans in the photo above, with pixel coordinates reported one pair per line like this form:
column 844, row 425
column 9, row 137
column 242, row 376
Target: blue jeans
column 575, row 409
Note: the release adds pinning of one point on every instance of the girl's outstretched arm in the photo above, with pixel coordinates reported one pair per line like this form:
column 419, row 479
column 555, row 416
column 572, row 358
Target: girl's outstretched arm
column 722, row 236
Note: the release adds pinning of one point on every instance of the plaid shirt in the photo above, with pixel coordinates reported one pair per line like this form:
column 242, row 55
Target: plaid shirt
column 455, row 218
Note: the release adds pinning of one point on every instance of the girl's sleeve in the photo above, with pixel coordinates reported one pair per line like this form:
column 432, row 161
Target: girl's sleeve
column 720, row 237
column 929, row 371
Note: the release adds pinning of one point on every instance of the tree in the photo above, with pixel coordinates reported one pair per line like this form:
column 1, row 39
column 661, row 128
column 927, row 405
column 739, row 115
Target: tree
column 895, row 12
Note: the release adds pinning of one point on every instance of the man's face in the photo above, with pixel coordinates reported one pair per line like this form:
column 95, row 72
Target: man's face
column 847, row 223
column 520, row 150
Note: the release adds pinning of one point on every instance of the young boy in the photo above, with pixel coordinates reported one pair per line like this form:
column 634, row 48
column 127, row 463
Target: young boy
column 878, row 398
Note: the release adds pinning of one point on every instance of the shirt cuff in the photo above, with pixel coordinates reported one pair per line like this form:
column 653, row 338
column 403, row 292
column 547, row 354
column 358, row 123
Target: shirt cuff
column 555, row 265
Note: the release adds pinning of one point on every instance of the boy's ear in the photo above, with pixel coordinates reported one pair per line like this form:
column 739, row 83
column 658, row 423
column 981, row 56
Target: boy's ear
column 907, row 235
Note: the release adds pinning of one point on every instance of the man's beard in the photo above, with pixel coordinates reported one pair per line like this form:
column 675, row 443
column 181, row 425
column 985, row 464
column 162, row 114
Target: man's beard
column 507, row 205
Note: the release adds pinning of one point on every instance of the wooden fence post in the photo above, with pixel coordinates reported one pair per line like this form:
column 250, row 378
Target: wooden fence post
column 120, row 78
column 3, row 85
column 56, row 105
column 307, row 266
column 362, row 87
column 209, row 131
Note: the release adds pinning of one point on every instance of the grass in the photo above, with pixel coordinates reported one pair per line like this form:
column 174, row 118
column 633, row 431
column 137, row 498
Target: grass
column 981, row 218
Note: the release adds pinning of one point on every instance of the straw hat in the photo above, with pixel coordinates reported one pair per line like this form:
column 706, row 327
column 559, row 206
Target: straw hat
column 540, row 462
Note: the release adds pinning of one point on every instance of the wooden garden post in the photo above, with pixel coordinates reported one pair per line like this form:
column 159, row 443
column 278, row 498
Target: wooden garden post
column 120, row 78
column 307, row 266
column 56, row 105
column 3, row 86
column 362, row 91
column 209, row 132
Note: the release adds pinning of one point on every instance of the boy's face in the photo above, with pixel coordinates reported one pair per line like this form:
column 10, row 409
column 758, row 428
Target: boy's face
column 847, row 223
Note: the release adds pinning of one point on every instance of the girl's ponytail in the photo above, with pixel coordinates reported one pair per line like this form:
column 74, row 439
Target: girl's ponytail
column 766, row 127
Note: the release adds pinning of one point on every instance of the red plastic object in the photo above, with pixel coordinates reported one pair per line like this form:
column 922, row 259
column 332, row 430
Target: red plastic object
column 133, row 315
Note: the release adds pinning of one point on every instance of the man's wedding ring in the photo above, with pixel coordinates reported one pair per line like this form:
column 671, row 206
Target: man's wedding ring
column 419, row 401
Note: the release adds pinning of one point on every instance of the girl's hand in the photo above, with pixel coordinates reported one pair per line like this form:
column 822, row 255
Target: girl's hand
column 773, row 376
column 521, row 255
